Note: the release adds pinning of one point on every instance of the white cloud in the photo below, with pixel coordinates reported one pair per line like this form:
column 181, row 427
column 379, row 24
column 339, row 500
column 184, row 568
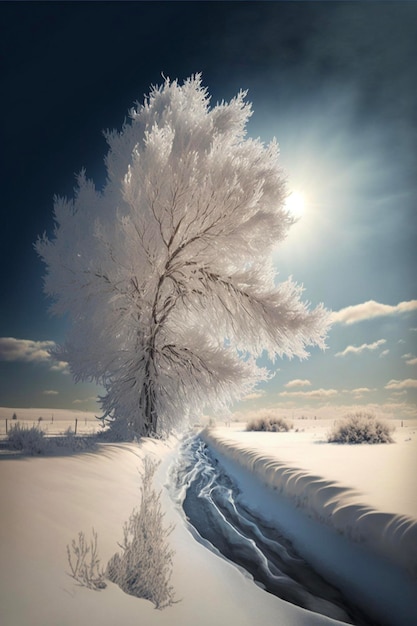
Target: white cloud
column 255, row 395
column 370, row 309
column 359, row 349
column 25, row 350
column 84, row 400
column 60, row 366
column 314, row 393
column 332, row 408
column 383, row 353
column 410, row 359
column 50, row 392
column 361, row 390
column 297, row 382
column 29, row 351
column 402, row 384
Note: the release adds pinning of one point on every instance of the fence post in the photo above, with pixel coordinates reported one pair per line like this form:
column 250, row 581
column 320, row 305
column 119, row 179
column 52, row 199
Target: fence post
column 76, row 422
column 6, row 425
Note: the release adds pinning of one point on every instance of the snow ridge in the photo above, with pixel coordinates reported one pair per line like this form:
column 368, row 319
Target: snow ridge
column 389, row 535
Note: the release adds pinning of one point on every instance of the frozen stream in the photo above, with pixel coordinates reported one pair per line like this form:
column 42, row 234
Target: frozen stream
column 211, row 504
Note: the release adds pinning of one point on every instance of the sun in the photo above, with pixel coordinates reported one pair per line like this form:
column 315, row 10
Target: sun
column 295, row 204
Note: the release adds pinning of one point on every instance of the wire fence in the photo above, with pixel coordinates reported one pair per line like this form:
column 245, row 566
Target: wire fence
column 53, row 427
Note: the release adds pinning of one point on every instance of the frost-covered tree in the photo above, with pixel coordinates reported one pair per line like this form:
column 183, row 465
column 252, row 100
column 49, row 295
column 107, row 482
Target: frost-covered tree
column 166, row 273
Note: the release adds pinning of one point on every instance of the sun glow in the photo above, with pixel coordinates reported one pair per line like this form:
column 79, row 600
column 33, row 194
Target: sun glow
column 295, row 204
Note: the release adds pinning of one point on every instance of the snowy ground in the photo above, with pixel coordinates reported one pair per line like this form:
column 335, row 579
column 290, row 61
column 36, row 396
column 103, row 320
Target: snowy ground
column 47, row 500
column 50, row 421
column 351, row 510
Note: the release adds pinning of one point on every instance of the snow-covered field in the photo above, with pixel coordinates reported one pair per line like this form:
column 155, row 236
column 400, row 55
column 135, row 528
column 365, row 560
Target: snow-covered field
column 349, row 509
column 46, row 501
column 50, row 421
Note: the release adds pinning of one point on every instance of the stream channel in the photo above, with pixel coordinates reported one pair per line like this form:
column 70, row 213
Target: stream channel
column 211, row 503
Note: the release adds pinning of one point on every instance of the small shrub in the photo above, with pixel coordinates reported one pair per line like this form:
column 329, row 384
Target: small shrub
column 14, row 416
column 269, row 423
column 84, row 562
column 116, row 431
column 69, row 442
column 360, row 428
column 29, row 440
column 144, row 567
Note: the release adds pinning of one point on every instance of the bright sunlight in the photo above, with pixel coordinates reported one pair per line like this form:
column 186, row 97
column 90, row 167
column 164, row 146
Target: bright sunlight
column 295, row 203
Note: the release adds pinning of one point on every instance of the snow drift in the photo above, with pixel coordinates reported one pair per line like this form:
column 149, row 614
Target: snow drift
column 370, row 555
column 387, row 534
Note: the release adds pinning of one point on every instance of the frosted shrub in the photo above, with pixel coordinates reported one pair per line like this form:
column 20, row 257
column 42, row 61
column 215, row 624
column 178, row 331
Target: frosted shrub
column 69, row 442
column 84, row 562
column 269, row 423
column 29, row 440
column 118, row 430
column 143, row 568
column 360, row 428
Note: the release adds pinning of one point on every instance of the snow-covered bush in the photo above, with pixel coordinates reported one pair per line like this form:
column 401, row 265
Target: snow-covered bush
column 69, row 442
column 269, row 423
column 144, row 567
column 115, row 431
column 84, row 562
column 29, row 440
column 360, row 427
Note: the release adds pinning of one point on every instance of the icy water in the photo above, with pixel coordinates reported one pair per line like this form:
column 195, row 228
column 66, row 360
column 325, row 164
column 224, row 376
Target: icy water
column 210, row 501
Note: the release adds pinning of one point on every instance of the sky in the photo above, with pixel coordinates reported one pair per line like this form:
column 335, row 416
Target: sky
column 334, row 82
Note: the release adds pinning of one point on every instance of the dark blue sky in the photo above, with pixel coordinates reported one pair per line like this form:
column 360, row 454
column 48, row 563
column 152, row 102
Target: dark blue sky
column 335, row 82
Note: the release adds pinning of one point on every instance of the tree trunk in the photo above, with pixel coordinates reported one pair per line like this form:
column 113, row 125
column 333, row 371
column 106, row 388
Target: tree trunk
column 148, row 407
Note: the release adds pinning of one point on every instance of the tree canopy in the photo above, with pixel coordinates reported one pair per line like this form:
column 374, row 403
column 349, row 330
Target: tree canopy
column 166, row 273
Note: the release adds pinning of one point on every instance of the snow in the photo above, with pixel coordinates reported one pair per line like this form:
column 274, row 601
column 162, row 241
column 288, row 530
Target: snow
column 46, row 501
column 350, row 510
column 53, row 422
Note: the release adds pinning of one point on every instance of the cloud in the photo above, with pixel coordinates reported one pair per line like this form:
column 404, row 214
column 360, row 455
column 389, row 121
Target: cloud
column 29, row 351
column 297, row 382
column 383, row 353
column 25, row 350
column 60, row 366
column 84, row 400
column 332, row 46
column 359, row 349
column 410, row 359
column 369, row 310
column 50, row 392
column 402, row 384
column 255, row 395
column 362, row 390
column 314, row 393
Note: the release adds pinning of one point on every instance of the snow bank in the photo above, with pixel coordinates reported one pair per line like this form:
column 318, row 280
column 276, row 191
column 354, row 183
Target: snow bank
column 370, row 553
column 46, row 501
column 328, row 501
